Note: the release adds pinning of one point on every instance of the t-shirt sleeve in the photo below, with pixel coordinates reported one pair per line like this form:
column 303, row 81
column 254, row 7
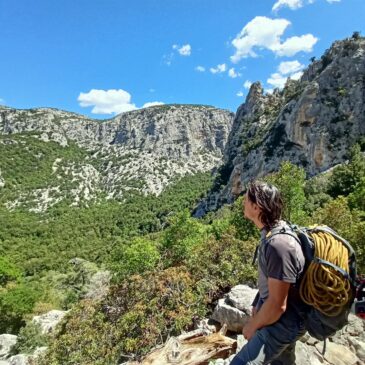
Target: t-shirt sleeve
column 281, row 259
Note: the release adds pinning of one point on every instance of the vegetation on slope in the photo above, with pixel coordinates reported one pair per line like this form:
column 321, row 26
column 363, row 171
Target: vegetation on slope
column 169, row 268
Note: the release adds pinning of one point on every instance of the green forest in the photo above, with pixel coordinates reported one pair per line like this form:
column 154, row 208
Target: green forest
column 168, row 268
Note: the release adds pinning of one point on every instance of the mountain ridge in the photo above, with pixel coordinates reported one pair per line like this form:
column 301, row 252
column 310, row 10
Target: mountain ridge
column 312, row 123
column 140, row 151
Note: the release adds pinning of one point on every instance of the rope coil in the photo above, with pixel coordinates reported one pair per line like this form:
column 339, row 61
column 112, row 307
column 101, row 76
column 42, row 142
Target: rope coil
column 323, row 287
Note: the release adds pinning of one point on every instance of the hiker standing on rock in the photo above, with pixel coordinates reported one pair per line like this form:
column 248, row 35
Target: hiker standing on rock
column 277, row 315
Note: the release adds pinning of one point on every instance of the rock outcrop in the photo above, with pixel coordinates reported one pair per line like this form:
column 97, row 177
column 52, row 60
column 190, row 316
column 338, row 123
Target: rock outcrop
column 143, row 150
column 47, row 321
column 312, row 122
column 235, row 308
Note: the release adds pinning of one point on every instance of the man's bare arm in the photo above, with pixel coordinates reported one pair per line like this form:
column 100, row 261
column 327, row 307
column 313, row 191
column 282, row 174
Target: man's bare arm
column 272, row 309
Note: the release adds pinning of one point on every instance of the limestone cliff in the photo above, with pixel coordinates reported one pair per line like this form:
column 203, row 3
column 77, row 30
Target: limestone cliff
column 142, row 150
column 312, row 122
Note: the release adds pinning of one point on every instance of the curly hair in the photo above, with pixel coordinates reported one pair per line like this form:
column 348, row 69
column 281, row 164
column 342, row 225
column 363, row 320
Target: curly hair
column 268, row 199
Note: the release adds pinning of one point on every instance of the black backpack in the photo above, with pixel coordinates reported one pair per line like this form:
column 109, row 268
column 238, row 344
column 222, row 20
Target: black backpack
column 323, row 321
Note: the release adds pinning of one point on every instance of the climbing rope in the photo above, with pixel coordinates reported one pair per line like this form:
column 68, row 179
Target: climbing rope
column 322, row 286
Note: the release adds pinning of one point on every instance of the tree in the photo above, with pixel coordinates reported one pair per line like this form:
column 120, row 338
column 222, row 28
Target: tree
column 138, row 256
column 15, row 303
column 290, row 181
column 316, row 192
column 183, row 234
column 346, row 176
column 245, row 229
column 357, row 197
column 8, row 271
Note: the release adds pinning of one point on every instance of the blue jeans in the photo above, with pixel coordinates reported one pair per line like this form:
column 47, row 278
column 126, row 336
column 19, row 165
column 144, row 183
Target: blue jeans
column 273, row 344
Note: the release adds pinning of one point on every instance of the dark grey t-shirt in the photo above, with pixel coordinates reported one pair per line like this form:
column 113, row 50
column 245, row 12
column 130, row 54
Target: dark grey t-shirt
column 282, row 258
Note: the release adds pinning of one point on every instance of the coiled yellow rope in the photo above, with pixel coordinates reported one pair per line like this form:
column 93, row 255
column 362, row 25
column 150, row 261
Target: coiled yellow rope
column 323, row 287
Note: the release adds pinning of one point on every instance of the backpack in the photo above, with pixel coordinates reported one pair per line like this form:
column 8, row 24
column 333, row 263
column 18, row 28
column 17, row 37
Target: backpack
column 327, row 289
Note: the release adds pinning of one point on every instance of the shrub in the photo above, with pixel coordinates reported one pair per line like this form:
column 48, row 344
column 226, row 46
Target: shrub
column 140, row 313
column 138, row 256
column 84, row 337
column 29, row 338
column 8, row 272
column 15, row 303
column 224, row 263
column 181, row 237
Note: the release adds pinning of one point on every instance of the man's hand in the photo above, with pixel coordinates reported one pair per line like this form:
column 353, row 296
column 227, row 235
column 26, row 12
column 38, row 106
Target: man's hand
column 253, row 311
column 272, row 309
column 248, row 330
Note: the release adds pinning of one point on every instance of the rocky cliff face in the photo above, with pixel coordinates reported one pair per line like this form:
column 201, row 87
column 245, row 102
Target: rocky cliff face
column 142, row 150
column 311, row 122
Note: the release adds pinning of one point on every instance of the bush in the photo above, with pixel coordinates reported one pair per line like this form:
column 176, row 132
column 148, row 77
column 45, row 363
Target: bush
column 15, row 303
column 29, row 338
column 181, row 237
column 224, row 263
column 8, row 272
column 138, row 256
column 140, row 313
column 84, row 337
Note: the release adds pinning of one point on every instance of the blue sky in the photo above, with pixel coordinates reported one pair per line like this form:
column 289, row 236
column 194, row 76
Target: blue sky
column 100, row 58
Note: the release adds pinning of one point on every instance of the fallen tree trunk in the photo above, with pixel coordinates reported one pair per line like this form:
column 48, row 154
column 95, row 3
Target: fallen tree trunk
column 193, row 348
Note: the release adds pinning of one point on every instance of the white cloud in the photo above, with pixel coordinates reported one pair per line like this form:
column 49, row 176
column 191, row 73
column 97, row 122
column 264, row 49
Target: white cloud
column 292, row 4
column 296, row 75
column 240, row 94
column 110, row 101
column 262, row 32
column 200, row 68
column 287, row 69
column 185, row 50
column 151, row 90
column 296, row 44
column 219, row 69
column 247, row 84
column 232, row 73
column 296, row 4
column 107, row 101
column 152, row 103
column 277, row 80
column 2, row 101
column 290, row 67
column 259, row 32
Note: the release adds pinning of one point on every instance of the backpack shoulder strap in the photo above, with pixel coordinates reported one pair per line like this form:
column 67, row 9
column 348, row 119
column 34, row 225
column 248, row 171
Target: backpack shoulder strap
column 290, row 231
column 275, row 231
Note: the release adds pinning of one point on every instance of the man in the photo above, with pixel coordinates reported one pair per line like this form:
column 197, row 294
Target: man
column 277, row 315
